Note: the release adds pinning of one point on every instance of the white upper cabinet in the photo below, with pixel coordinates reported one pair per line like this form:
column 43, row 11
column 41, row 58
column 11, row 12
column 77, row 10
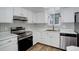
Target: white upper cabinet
column 18, row 11
column 30, row 16
column 6, row 15
column 67, row 15
column 39, row 17
column 33, row 17
column 23, row 12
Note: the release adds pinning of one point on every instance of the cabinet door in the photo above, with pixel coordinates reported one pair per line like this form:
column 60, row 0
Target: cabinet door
column 53, row 39
column 6, row 15
column 43, row 37
column 33, row 18
column 35, row 37
column 24, row 12
column 17, row 11
column 30, row 16
column 11, row 45
column 67, row 15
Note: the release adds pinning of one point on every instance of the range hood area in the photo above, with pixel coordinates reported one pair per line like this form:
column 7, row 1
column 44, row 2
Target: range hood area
column 19, row 18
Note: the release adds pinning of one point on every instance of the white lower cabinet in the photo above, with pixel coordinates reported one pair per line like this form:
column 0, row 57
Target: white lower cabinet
column 9, row 45
column 53, row 39
column 49, row 38
column 35, row 37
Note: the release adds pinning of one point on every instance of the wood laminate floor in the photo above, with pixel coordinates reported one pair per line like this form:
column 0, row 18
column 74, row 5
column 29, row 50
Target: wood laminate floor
column 43, row 47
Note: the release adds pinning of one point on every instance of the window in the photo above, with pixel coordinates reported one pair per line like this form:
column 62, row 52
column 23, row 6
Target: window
column 54, row 18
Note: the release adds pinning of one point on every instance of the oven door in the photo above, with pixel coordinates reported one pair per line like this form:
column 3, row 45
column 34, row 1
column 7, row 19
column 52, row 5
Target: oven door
column 25, row 43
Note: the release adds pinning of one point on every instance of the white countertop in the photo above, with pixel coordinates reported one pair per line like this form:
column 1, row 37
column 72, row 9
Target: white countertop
column 67, row 31
column 6, row 35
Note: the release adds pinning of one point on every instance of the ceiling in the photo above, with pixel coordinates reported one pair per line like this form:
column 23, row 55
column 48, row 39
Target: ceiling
column 35, row 9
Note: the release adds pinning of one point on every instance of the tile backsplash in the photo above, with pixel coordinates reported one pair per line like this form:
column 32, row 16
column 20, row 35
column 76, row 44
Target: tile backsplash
column 6, row 26
column 32, row 26
column 67, row 26
column 28, row 26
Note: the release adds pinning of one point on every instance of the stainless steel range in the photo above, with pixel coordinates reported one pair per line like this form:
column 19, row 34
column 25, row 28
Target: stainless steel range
column 25, row 38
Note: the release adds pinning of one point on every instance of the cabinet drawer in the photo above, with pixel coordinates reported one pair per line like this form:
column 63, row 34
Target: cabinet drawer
column 10, row 47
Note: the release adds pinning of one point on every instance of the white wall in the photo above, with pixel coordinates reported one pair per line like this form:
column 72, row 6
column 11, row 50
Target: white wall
column 29, row 14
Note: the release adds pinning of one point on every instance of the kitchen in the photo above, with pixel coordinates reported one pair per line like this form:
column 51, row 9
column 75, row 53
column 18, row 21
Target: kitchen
column 49, row 26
